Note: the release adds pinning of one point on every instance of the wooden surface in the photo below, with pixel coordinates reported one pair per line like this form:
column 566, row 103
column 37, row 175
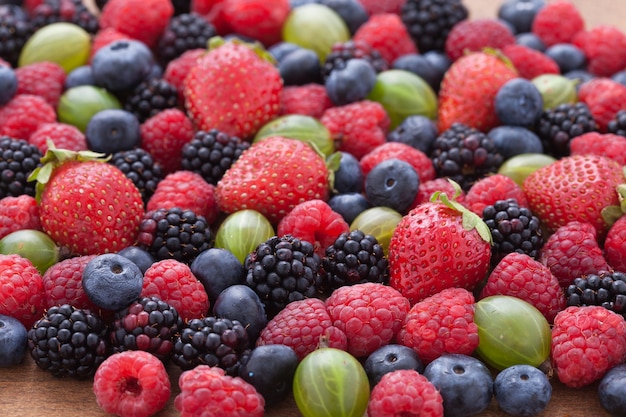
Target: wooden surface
column 27, row 391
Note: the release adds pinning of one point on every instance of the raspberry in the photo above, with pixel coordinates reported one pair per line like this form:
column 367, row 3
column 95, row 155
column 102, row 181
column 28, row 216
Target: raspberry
column 428, row 188
column 486, row 191
column 207, row 391
column 529, row 62
column 357, row 128
column 615, row 245
column 164, row 136
column 384, row 6
column 387, row 34
column 370, row 315
column 587, row 341
column 389, row 150
column 475, row 35
column 177, row 69
column 405, row 392
column 557, row 22
column 308, row 100
column 21, row 289
column 301, row 325
column 257, row 19
column 519, row 275
column 572, row 251
column 147, row 26
column 185, row 190
column 63, row 135
column 173, row 282
column 313, row 221
column 104, row 37
column 442, row 323
column 18, row 213
column 132, row 384
column 45, row 79
column 603, row 144
column 23, row 115
column 605, row 49
column 63, row 283
column 605, row 98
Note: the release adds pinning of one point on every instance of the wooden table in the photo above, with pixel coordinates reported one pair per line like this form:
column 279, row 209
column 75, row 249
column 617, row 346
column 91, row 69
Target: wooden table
column 27, row 391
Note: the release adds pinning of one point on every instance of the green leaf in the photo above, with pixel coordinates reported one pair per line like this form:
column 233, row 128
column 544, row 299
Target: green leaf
column 332, row 164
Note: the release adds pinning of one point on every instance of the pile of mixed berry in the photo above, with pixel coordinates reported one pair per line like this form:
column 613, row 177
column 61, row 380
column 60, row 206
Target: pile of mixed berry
column 369, row 206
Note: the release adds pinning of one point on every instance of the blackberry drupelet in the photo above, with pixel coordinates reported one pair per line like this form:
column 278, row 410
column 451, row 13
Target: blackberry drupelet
column 18, row 159
column 212, row 341
column 355, row 258
column 465, row 155
column 184, row 32
column 558, row 126
column 174, row 234
column 284, row 269
column 429, row 21
column 14, row 32
column 211, row 153
column 149, row 324
column 69, row 341
column 513, row 229
column 150, row 97
column 139, row 166
column 71, row 11
column 606, row 289
column 617, row 126
column 342, row 52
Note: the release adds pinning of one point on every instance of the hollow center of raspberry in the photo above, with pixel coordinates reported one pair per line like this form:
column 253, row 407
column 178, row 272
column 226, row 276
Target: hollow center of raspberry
column 130, row 386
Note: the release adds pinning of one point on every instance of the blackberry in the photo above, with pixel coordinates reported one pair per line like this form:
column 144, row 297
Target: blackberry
column 355, row 258
column 181, row 6
column 465, row 155
column 68, row 341
column 284, row 269
column 606, row 289
column 617, row 126
column 211, row 153
column 513, row 229
column 18, row 159
column 150, row 97
column 70, row 11
column 14, row 32
column 174, row 233
column 148, row 324
column 212, row 341
column 558, row 126
column 184, row 32
column 342, row 52
column 139, row 166
column 100, row 3
column 429, row 21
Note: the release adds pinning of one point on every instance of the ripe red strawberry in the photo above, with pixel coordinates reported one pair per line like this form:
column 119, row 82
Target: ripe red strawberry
column 486, row 191
column 428, row 188
column 234, row 90
column 177, row 69
column 386, row 33
column 144, row 20
column 272, row 177
column 469, row 88
column 603, row 144
column 261, row 20
column 557, row 22
column 615, row 245
column 309, row 100
column 475, row 35
column 605, row 49
column 529, row 62
column 605, row 97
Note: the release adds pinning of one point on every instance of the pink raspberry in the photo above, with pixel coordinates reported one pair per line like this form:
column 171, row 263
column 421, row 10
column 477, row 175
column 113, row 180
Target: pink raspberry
column 605, row 49
column 309, row 100
column 144, row 20
column 44, row 79
column 23, row 115
column 386, row 33
column 63, row 135
column 177, row 69
column 477, row 34
column 419, row 160
column 63, row 283
column 557, row 22
column 18, row 213
column 428, row 188
column 486, row 191
column 21, row 290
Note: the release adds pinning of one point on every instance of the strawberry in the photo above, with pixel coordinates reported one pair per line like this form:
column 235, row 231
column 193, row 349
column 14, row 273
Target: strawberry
column 232, row 89
column 272, row 177
column 86, row 205
column 439, row 244
column 615, row 245
column 469, row 88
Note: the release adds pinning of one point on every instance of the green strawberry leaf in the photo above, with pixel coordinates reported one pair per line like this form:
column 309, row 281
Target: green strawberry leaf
column 258, row 48
column 332, row 164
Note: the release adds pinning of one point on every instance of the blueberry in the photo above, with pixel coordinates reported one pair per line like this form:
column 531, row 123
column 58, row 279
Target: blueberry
column 349, row 205
column 270, row 369
column 8, row 84
column 567, row 56
column 282, row 49
column 612, row 391
column 139, row 256
column 349, row 176
column 113, row 130
column 620, row 77
column 530, row 40
column 217, row 269
column 520, row 13
column 465, row 384
column 417, row 131
column 581, row 76
column 351, row 83
column 522, row 390
column 518, row 103
column 390, row 358
column 82, row 75
column 515, row 140
column 351, row 11
column 392, row 183
column 112, row 281
column 300, row 67
column 420, row 66
column 122, row 65
column 439, row 60
column 13, row 341
column 240, row 302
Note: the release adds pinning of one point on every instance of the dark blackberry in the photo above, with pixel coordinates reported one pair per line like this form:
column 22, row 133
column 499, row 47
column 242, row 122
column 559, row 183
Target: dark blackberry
column 68, row 341
column 212, row 341
column 284, row 269
column 558, row 126
column 211, row 153
column 18, row 159
column 606, row 289
column 617, row 126
column 150, row 97
column 14, row 32
column 181, row 6
column 342, row 52
column 70, row 11
column 429, row 21
column 513, row 229
column 174, row 234
column 101, row 3
column 139, row 166
column 355, row 258
column 148, row 324
column 184, row 32
column 465, row 155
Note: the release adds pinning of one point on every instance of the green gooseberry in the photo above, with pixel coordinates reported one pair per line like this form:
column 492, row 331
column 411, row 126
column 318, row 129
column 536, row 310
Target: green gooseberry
column 33, row 245
column 241, row 232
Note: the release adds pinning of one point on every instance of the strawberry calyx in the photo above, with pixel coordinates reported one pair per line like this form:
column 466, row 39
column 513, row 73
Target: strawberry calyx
column 332, row 164
column 470, row 220
column 610, row 214
column 500, row 55
column 257, row 47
